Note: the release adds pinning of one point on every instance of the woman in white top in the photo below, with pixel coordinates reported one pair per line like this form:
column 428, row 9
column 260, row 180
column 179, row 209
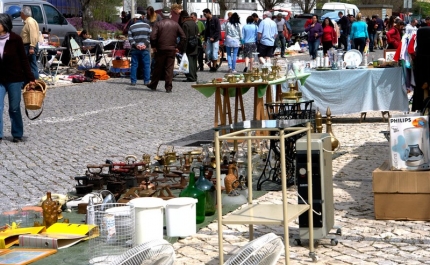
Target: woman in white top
column 233, row 39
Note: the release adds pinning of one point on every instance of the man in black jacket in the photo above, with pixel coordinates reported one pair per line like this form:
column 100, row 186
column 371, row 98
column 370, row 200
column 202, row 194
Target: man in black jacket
column 163, row 42
column 344, row 30
column 212, row 37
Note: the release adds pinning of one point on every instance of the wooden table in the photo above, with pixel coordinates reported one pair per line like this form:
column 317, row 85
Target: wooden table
column 222, row 112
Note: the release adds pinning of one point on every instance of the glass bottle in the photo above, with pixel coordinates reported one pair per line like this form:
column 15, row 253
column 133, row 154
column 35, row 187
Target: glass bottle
column 50, row 211
column 210, row 192
column 193, row 192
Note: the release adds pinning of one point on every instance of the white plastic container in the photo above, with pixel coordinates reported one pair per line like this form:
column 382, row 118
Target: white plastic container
column 181, row 217
column 149, row 218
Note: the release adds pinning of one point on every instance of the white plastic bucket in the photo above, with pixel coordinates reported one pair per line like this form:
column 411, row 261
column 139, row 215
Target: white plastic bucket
column 181, row 217
column 149, row 218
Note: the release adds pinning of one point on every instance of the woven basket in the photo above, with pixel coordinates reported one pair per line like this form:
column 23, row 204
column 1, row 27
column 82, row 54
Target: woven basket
column 54, row 40
column 33, row 98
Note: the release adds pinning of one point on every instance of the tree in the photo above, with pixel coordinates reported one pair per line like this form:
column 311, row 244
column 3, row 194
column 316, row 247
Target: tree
column 305, row 5
column 85, row 4
column 270, row 4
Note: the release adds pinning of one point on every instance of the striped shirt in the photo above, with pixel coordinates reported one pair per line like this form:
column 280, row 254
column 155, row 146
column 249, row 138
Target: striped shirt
column 138, row 34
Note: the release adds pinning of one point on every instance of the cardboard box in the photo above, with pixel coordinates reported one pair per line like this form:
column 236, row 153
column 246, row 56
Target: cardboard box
column 409, row 142
column 401, row 195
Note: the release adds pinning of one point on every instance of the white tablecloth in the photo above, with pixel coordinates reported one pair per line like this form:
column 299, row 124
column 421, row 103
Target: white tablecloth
column 358, row 90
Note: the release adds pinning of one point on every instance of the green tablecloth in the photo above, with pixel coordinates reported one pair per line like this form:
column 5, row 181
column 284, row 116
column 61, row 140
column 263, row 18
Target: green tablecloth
column 209, row 89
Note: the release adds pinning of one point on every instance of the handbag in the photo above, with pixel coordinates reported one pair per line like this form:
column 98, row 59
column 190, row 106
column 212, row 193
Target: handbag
column 193, row 42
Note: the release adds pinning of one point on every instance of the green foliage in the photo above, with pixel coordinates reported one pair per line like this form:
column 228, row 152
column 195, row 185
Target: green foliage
column 104, row 10
column 422, row 8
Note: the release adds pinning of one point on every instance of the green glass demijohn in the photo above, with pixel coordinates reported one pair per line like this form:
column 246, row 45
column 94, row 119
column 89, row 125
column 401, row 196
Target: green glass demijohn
column 210, row 192
column 193, row 192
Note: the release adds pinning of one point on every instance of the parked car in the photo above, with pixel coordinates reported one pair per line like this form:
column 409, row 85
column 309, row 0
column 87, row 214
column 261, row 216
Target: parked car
column 298, row 29
column 331, row 15
column 46, row 15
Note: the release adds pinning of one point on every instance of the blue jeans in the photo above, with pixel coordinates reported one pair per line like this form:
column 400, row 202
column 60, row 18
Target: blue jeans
column 13, row 91
column 371, row 39
column 212, row 50
column 33, row 60
column 313, row 48
column 142, row 57
column 232, row 52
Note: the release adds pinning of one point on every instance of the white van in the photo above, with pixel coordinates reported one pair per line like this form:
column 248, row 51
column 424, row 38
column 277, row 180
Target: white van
column 347, row 9
column 44, row 13
column 243, row 14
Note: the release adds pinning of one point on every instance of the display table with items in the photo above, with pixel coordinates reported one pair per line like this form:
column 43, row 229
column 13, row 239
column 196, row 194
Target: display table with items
column 271, row 214
column 110, row 44
column 357, row 90
column 43, row 59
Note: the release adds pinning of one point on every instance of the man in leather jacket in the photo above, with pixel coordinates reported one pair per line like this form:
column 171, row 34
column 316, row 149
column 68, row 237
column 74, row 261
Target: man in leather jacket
column 164, row 44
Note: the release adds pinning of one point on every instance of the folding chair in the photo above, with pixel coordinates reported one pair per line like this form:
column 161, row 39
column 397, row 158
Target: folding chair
column 77, row 58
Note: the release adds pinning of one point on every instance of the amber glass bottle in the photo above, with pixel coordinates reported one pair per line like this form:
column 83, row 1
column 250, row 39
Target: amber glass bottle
column 50, row 211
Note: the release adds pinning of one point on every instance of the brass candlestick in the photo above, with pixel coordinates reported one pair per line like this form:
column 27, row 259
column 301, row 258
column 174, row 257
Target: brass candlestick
column 334, row 141
column 318, row 121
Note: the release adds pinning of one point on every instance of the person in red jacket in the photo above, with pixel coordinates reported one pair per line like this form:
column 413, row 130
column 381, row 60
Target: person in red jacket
column 329, row 35
column 394, row 36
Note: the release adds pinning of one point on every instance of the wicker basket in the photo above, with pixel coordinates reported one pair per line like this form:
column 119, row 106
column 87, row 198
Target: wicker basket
column 33, row 98
column 54, row 40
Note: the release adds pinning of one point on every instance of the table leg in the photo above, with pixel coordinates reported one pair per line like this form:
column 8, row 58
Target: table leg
column 227, row 108
column 238, row 105
column 218, row 108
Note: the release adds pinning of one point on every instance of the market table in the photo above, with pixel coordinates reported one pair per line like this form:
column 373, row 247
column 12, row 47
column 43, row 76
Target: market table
column 357, row 90
column 222, row 112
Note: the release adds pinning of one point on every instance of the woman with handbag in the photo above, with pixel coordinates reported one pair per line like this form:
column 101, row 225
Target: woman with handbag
column 233, row 38
column 15, row 70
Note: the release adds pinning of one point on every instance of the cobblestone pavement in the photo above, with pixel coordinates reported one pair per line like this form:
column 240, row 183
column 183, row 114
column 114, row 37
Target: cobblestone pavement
column 91, row 122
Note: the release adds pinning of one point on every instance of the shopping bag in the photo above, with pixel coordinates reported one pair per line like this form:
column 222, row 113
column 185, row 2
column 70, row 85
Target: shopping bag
column 183, row 66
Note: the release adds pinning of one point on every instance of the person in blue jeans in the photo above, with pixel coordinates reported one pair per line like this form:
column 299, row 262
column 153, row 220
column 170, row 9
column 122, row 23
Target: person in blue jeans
column 15, row 70
column 315, row 32
column 233, row 40
column 30, row 38
column 138, row 35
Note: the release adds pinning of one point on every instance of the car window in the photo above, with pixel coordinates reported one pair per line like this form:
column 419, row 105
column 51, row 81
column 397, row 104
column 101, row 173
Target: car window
column 53, row 17
column 36, row 13
column 297, row 22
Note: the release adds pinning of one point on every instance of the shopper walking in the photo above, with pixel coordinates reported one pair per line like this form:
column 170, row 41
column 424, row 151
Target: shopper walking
column 359, row 34
column 212, row 37
column 267, row 33
column 315, row 32
column 249, row 33
column 394, row 35
column 138, row 36
column 371, row 31
column 329, row 35
column 201, row 28
column 233, row 40
column 15, row 70
column 164, row 43
column 30, row 37
column 191, row 32
column 280, row 40
column 344, row 24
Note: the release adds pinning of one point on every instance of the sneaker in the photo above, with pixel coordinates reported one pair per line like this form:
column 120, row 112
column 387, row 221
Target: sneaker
column 234, row 72
column 17, row 140
column 132, row 84
column 245, row 69
column 230, row 71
